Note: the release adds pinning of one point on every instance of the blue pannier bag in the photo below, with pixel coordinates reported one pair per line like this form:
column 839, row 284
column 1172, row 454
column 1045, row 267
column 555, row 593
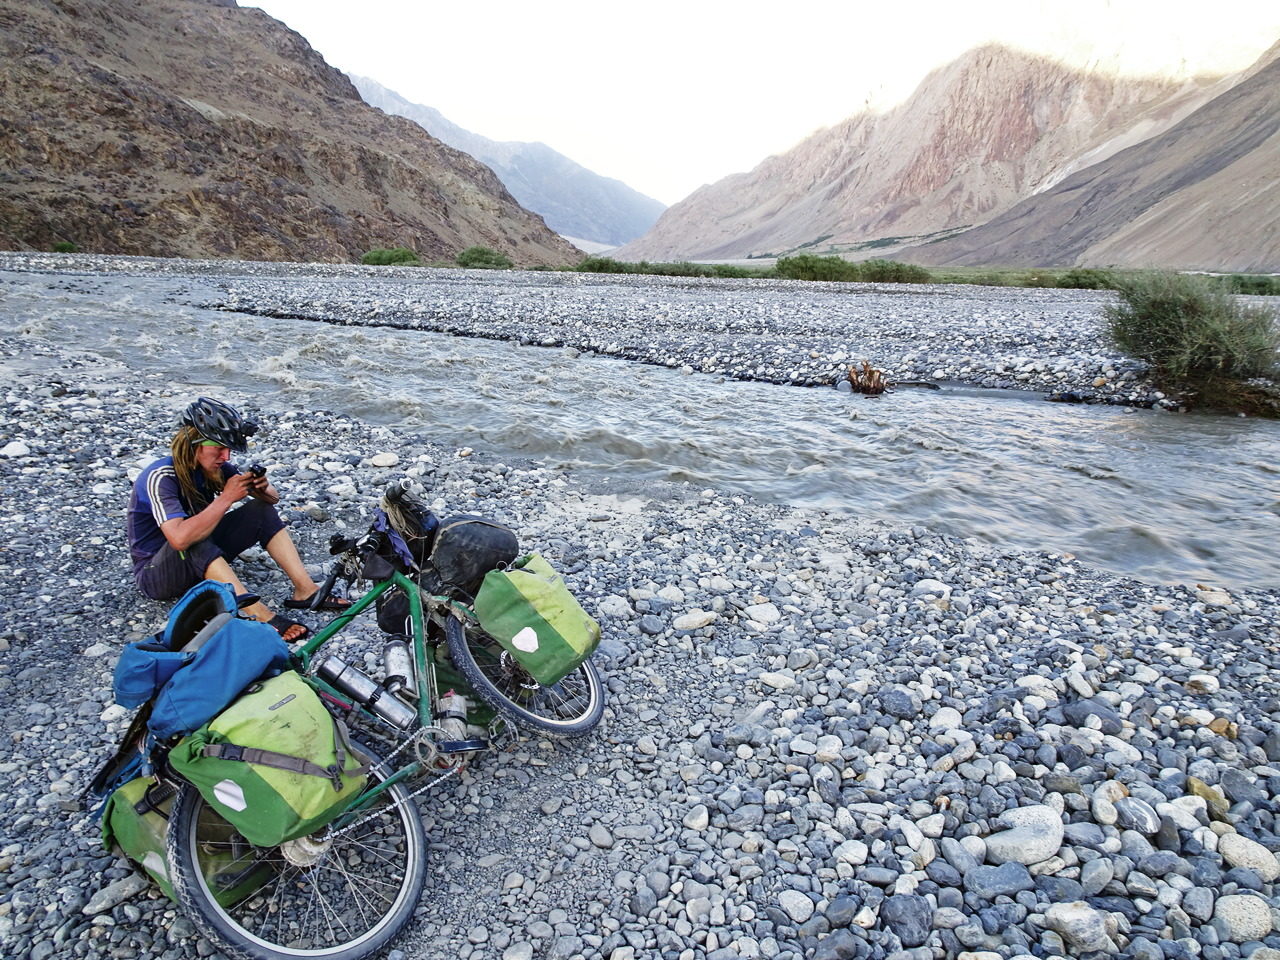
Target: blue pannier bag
column 199, row 663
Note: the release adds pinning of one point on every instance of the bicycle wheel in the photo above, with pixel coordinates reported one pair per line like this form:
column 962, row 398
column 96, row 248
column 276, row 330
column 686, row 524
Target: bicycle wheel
column 340, row 898
column 564, row 710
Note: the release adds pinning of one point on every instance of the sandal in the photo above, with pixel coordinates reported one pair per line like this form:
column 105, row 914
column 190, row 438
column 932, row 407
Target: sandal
column 283, row 625
column 330, row 603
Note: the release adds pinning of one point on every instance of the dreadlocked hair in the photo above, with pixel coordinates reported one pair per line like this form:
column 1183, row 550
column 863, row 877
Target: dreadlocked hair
column 184, row 446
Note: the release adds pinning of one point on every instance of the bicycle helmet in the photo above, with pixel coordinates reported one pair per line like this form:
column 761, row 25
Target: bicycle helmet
column 220, row 423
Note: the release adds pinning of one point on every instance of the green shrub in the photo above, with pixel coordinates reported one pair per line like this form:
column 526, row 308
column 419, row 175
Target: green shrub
column 395, row 257
column 807, row 266
column 65, row 246
column 1191, row 330
column 891, row 271
column 734, row 272
column 1082, row 278
column 604, row 265
column 482, row 258
column 1252, row 283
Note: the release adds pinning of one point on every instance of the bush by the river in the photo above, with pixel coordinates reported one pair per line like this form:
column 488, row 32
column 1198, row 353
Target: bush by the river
column 483, row 258
column 1192, row 330
column 807, row 266
column 682, row 268
column 1252, row 283
column 393, row 257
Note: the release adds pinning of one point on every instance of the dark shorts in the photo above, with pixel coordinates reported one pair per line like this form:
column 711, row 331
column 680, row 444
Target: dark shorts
column 171, row 573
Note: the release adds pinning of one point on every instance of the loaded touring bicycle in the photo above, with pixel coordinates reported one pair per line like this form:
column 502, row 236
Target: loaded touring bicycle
column 240, row 787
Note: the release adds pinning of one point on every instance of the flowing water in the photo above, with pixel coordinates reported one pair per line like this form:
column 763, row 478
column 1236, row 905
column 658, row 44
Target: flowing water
column 1162, row 497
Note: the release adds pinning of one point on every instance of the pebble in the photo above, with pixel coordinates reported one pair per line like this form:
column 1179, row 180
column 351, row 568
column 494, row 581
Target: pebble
column 115, row 894
column 910, row 917
column 796, row 905
column 1240, row 851
column 1036, row 833
column 1244, row 917
column 1082, row 926
column 695, row 620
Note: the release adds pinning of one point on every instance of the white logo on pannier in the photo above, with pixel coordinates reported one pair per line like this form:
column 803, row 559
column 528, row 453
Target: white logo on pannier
column 153, row 862
column 229, row 794
column 526, row 640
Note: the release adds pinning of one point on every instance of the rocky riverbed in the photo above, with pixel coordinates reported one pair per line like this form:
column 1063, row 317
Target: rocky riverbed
column 775, row 331
column 825, row 737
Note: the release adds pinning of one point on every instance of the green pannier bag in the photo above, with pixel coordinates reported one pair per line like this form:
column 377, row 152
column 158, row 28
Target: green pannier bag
column 529, row 610
column 275, row 764
column 135, row 823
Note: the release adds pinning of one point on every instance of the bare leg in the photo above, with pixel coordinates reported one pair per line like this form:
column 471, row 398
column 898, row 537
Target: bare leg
column 221, row 571
column 282, row 550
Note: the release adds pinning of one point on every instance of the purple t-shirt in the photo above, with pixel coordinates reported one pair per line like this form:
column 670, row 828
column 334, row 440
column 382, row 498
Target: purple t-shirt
column 157, row 497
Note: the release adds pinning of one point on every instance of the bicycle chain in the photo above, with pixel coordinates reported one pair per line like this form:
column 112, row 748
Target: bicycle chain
column 419, row 734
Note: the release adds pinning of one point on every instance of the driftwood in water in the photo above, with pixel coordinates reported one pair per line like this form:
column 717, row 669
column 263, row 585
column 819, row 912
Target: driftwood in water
column 868, row 380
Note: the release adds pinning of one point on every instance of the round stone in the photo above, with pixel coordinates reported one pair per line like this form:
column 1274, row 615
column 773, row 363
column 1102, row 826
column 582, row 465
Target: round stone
column 697, row 818
column 795, row 905
column 1081, row 925
column 1240, row 851
column 1036, row 835
column 1245, row 917
column 1135, row 814
column 909, row 916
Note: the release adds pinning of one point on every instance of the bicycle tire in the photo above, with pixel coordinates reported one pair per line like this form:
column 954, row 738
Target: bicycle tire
column 371, row 878
column 565, row 710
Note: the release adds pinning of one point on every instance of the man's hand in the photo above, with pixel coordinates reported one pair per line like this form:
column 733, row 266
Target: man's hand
column 240, row 486
column 257, row 484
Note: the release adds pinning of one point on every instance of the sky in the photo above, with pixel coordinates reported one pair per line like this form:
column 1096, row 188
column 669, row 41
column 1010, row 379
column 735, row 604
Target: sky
column 666, row 96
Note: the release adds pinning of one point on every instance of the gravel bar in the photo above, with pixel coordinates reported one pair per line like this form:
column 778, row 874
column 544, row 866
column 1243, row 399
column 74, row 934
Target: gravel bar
column 775, row 331
column 825, row 737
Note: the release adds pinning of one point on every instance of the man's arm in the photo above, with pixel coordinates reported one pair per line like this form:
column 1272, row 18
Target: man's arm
column 261, row 489
column 182, row 532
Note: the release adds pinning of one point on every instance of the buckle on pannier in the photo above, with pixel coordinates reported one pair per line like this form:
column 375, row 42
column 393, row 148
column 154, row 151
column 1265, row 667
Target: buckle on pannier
column 231, row 751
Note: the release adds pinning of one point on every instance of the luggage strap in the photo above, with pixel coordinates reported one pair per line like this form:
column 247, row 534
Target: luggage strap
column 283, row 761
column 153, row 797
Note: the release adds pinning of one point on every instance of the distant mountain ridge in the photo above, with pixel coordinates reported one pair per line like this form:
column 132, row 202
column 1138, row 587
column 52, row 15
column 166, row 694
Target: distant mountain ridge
column 1204, row 194
column 978, row 137
column 197, row 128
column 573, row 200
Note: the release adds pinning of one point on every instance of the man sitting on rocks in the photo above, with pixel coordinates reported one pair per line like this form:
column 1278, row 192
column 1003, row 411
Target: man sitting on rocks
column 186, row 522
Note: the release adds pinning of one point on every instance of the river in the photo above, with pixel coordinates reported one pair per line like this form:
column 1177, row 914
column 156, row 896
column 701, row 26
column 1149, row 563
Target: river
column 1158, row 496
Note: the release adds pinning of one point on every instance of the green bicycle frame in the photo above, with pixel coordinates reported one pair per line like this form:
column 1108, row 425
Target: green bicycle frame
column 424, row 658
column 424, row 661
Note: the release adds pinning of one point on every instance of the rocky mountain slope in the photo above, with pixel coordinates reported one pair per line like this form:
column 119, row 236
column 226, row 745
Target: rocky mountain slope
column 572, row 199
column 1205, row 194
column 196, row 128
column 978, row 135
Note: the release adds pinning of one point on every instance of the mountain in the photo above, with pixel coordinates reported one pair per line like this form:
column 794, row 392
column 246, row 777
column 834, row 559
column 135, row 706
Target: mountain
column 574, row 201
column 1204, row 194
column 977, row 136
column 199, row 129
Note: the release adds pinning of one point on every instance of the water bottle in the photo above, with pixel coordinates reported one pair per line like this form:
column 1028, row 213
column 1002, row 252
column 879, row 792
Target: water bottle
column 400, row 673
column 360, row 687
column 451, row 716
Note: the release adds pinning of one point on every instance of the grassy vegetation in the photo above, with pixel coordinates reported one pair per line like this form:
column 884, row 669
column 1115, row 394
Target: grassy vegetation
column 394, row 257
column 1188, row 327
column 682, row 268
column 65, row 246
column 1199, row 340
column 809, row 266
column 483, row 258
